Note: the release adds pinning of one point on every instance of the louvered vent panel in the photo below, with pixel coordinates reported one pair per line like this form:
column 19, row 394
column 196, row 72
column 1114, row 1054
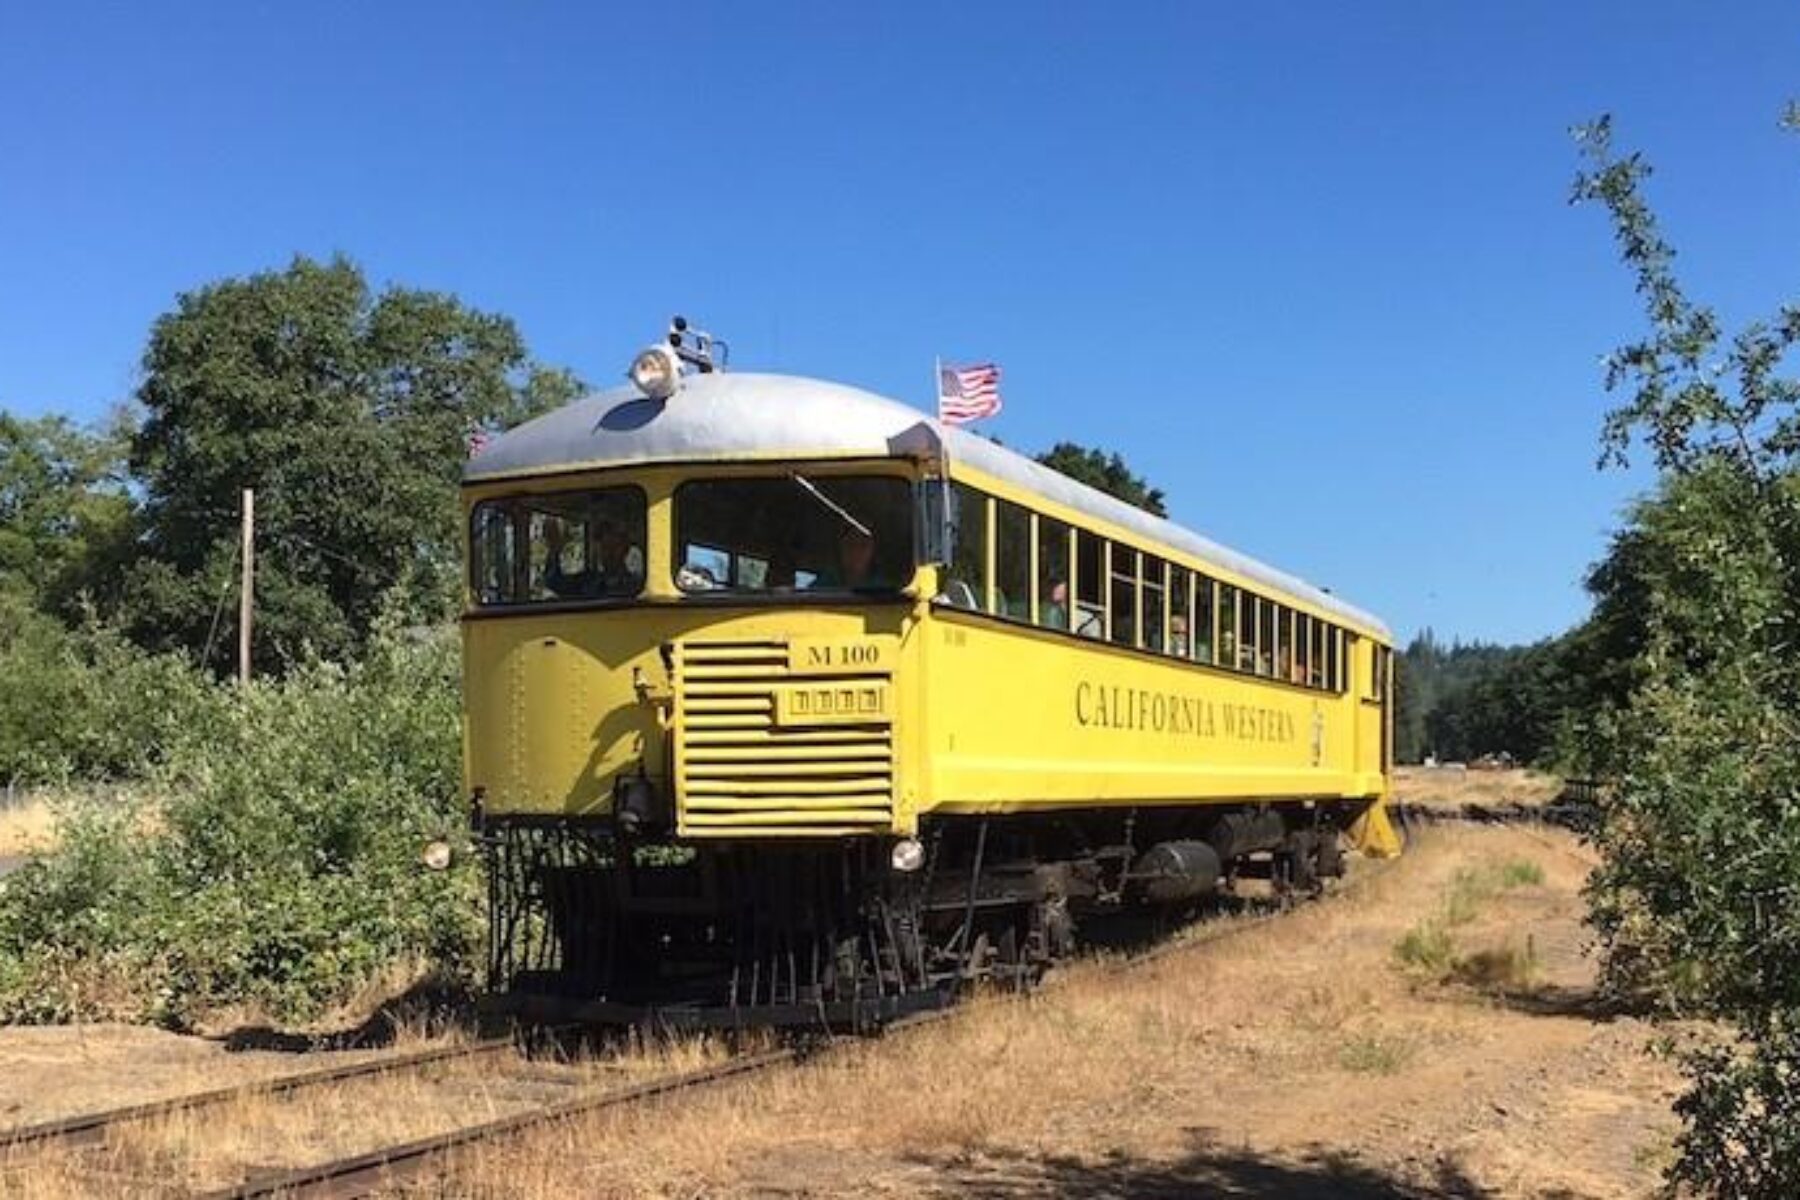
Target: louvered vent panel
column 741, row 772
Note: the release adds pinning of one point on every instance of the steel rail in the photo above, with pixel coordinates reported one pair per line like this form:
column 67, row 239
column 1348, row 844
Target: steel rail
column 358, row 1174
column 90, row 1129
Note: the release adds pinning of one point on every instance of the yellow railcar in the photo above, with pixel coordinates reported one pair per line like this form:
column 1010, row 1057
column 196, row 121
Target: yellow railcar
column 784, row 700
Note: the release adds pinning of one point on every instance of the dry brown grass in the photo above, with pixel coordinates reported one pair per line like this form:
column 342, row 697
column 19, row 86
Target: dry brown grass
column 1455, row 788
column 1296, row 1058
column 26, row 827
column 1255, row 1052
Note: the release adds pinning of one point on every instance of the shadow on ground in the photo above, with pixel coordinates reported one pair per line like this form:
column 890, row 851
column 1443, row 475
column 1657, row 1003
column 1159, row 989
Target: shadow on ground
column 430, row 1006
column 1585, row 1003
column 1208, row 1170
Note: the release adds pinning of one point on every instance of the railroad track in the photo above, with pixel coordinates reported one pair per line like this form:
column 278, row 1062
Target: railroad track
column 359, row 1175
column 91, row 1129
column 389, row 1166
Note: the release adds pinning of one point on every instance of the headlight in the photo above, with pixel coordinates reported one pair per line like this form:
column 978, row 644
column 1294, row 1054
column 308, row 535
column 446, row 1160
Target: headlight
column 908, row 855
column 656, row 372
column 436, row 856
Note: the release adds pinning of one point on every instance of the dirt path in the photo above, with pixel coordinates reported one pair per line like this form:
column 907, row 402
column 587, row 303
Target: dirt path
column 1299, row 1060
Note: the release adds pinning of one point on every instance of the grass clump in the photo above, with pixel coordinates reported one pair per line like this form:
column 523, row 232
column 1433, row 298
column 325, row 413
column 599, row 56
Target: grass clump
column 1429, row 948
column 1376, row 1053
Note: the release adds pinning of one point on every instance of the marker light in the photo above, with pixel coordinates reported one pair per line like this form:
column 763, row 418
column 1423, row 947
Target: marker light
column 436, row 856
column 656, row 372
column 908, row 855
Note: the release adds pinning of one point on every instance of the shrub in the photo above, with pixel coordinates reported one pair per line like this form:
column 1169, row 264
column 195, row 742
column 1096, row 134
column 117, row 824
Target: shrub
column 86, row 704
column 281, row 869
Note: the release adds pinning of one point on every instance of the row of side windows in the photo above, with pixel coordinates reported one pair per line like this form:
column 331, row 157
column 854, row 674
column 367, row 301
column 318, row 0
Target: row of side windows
column 1039, row 570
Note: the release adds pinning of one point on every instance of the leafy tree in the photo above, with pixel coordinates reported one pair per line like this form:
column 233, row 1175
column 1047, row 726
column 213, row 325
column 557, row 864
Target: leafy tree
column 66, row 516
column 1695, row 901
column 349, row 413
column 1106, row 472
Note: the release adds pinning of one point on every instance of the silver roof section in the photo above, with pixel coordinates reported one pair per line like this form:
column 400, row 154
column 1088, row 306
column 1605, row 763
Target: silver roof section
column 733, row 417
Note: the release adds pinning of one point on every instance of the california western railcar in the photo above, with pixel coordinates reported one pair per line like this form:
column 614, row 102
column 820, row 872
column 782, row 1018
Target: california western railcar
column 785, row 700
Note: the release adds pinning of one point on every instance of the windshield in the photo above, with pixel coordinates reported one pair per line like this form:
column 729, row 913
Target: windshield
column 793, row 533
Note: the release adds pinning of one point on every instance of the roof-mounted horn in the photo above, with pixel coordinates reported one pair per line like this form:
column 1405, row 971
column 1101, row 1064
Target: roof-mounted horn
column 696, row 347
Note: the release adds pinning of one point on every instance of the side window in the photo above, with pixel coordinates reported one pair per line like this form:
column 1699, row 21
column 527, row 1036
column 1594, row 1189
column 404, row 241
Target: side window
column 1012, row 561
column 1334, row 659
column 1265, row 636
column 1246, row 627
column 1284, row 643
column 1053, row 573
column 1377, row 669
column 1181, row 630
column 1090, row 585
column 965, row 585
column 1124, row 595
column 1302, row 648
column 1203, row 619
column 1229, row 598
column 1315, row 666
column 1153, row 592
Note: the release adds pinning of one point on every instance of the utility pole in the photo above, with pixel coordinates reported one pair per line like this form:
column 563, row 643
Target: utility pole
column 247, row 587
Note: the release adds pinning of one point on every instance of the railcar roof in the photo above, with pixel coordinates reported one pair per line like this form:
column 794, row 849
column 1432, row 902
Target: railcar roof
column 737, row 416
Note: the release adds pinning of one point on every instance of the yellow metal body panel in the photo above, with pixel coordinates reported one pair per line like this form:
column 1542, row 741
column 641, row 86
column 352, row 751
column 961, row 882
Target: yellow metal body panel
column 1021, row 717
column 825, row 719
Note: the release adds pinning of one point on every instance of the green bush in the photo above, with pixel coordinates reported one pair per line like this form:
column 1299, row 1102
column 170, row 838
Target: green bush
column 280, row 870
column 86, row 704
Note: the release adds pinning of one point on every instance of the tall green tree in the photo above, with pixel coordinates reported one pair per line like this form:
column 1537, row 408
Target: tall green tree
column 66, row 514
column 348, row 411
column 1106, row 472
column 1696, row 901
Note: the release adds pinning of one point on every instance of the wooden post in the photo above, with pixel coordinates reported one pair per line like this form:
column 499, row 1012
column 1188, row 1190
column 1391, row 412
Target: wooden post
column 247, row 587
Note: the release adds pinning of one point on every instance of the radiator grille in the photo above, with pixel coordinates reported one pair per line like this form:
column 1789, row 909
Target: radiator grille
column 744, row 769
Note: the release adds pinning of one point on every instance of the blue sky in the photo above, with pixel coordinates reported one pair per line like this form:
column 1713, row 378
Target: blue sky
column 1310, row 267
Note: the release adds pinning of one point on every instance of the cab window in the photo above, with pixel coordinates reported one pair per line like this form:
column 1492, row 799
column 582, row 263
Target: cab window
column 563, row 546
column 778, row 535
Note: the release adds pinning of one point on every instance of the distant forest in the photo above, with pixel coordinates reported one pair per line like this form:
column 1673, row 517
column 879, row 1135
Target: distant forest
column 1542, row 703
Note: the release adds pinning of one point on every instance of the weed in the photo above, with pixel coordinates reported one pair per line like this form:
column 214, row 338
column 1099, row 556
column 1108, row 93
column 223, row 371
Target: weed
column 1427, row 947
column 1376, row 1053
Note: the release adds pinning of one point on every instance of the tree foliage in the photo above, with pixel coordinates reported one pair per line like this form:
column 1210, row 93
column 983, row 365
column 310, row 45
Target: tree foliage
column 1699, row 600
column 349, row 413
column 66, row 516
column 1106, row 472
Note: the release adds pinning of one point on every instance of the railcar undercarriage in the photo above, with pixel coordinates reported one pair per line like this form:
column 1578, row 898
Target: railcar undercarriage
column 589, row 924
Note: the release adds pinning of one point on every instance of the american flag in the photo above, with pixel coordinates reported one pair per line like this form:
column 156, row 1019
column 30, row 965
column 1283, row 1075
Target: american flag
column 968, row 393
column 477, row 439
